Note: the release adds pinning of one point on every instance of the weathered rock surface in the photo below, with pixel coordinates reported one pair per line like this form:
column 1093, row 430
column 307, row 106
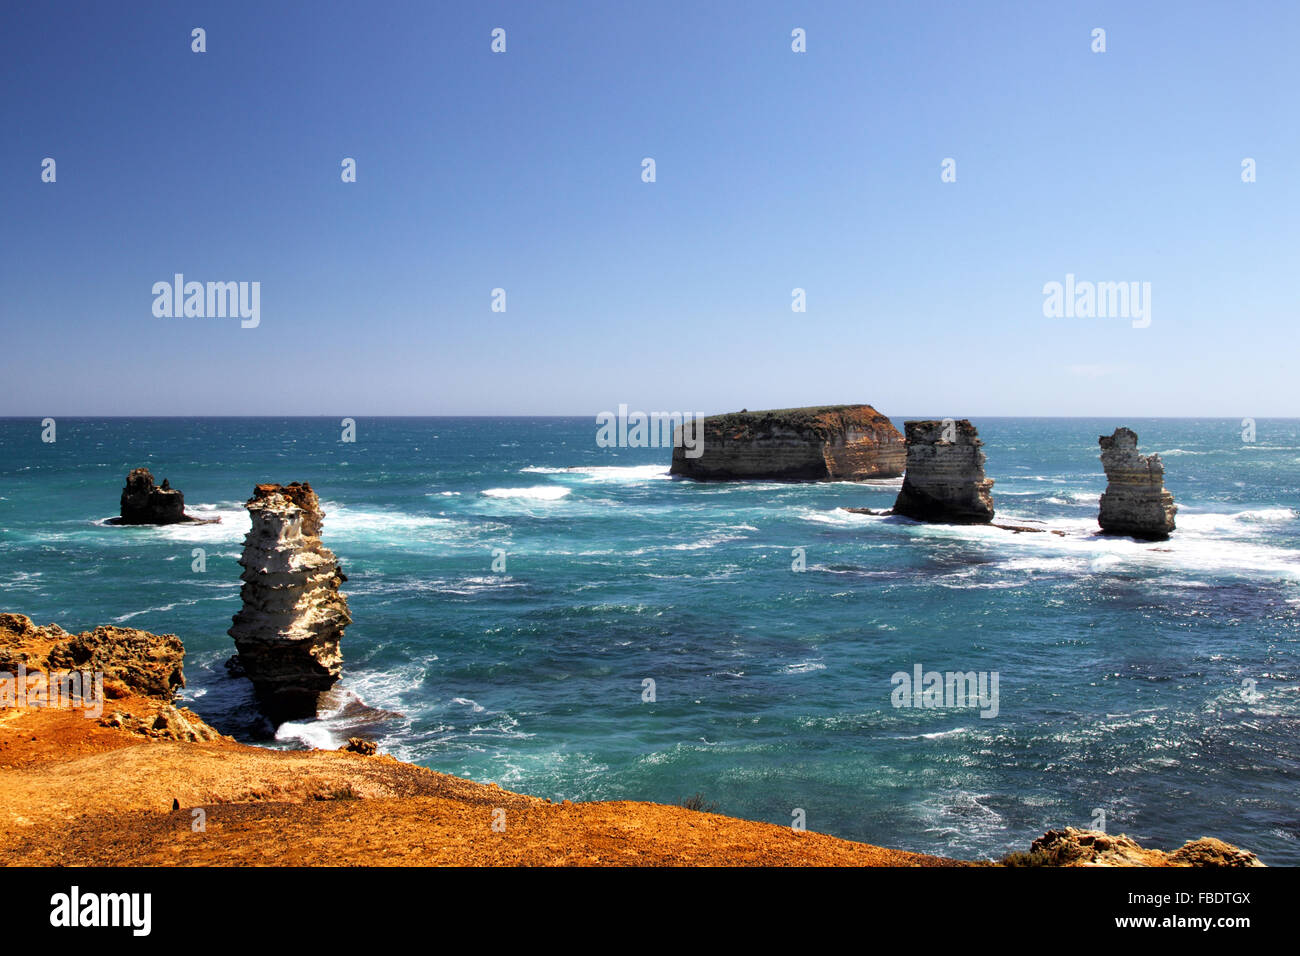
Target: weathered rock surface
column 142, row 672
column 1076, row 847
column 828, row 443
column 143, row 502
column 359, row 745
column 163, row 723
column 289, row 629
column 1135, row 502
column 945, row 482
column 133, row 662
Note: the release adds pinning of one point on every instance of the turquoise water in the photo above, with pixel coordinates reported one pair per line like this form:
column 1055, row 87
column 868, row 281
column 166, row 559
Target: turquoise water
column 1120, row 665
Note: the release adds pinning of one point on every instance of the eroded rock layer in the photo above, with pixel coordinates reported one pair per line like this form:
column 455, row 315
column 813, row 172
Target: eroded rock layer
column 945, row 480
column 829, row 443
column 289, row 629
column 1135, row 502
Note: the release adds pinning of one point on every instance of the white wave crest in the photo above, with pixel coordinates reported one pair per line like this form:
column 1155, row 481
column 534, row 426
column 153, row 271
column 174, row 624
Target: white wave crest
column 605, row 472
column 538, row 493
column 315, row 734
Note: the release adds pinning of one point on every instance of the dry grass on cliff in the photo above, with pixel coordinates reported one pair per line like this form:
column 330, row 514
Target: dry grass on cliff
column 820, row 420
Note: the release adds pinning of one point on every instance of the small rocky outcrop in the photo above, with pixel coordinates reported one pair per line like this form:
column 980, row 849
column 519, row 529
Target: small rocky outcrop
column 133, row 662
column 142, row 672
column 945, row 482
column 143, row 502
column 828, row 443
column 1136, row 502
column 1077, row 847
column 164, row 723
column 289, row 629
column 1207, row 851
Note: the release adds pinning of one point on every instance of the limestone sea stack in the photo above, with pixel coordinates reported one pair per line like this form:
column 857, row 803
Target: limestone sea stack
column 143, row 502
column 1136, row 502
column 827, row 443
column 945, row 480
column 288, row 632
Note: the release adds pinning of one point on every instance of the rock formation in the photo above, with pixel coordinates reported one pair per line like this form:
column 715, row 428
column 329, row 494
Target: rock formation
column 945, row 480
column 133, row 662
column 141, row 672
column 143, row 502
column 1135, row 502
column 830, row 443
column 1075, row 847
column 359, row 745
column 288, row 630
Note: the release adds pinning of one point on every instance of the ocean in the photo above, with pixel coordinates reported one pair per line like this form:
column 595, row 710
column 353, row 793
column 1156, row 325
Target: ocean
column 1152, row 687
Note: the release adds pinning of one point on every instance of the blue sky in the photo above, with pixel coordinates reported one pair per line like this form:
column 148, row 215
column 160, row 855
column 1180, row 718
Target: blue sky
column 775, row 170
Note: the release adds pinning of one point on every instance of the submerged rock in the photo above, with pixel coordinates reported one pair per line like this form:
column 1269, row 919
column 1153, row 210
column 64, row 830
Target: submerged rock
column 289, row 629
column 1136, row 502
column 827, row 443
column 143, row 502
column 945, row 480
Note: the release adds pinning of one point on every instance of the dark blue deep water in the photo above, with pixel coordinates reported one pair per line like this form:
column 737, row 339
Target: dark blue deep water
column 1122, row 666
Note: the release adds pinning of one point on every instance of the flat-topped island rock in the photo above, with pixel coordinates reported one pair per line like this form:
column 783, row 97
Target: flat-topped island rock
column 823, row 443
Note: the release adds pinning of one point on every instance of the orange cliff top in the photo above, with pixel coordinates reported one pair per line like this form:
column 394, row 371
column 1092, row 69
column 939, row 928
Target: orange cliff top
column 76, row 792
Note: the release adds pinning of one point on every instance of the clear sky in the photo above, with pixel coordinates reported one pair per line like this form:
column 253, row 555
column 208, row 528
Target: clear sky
column 775, row 170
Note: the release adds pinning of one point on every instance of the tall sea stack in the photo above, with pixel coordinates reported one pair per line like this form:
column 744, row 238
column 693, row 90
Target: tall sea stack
column 827, row 443
column 1136, row 502
column 293, row 617
column 945, row 480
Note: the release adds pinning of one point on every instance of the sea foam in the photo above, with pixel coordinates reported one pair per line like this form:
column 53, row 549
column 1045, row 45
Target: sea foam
column 538, row 493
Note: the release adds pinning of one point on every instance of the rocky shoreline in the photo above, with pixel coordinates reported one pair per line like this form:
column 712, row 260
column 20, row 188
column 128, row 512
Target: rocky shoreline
column 147, row 783
column 135, row 760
